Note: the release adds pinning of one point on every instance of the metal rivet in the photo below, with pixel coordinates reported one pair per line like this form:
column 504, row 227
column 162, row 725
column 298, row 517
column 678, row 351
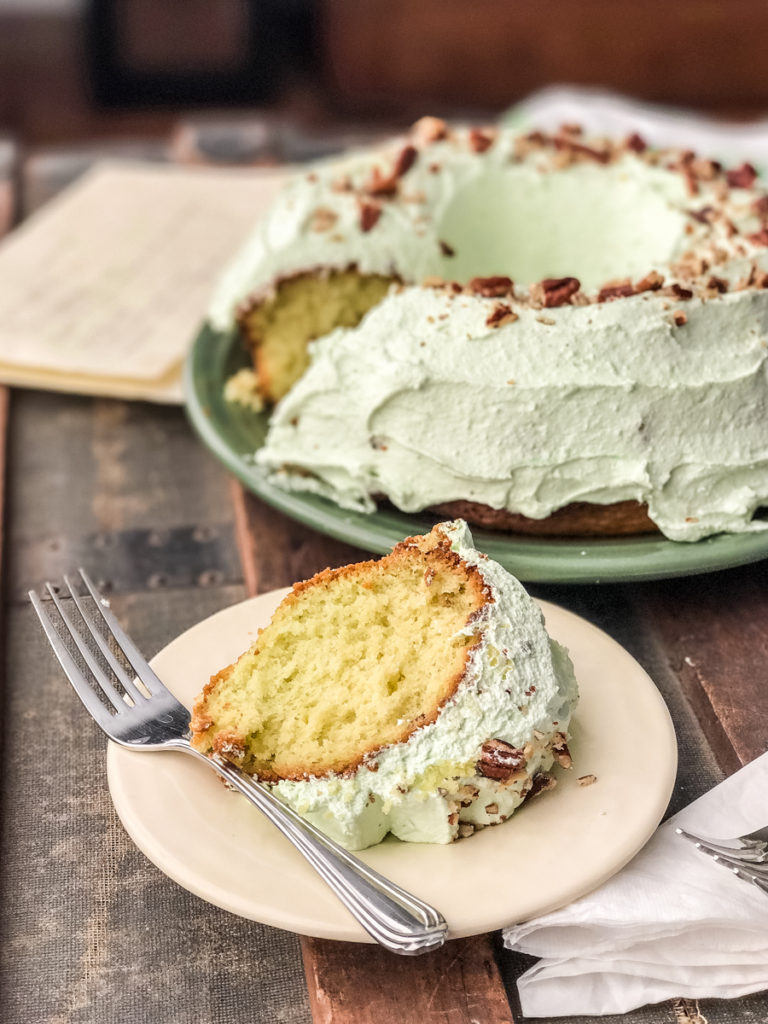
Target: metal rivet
column 203, row 533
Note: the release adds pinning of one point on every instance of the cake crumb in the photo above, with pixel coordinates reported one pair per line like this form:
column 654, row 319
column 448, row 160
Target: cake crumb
column 586, row 780
column 242, row 388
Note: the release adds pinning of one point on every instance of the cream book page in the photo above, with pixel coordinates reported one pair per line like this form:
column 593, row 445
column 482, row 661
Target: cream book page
column 104, row 288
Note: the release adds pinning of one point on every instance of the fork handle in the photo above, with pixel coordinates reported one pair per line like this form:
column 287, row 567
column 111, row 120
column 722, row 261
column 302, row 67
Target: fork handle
column 395, row 918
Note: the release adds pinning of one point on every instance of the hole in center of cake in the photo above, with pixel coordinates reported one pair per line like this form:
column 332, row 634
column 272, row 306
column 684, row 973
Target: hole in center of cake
column 592, row 223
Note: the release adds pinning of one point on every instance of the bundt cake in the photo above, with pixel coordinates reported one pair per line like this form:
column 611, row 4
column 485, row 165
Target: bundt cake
column 526, row 329
column 418, row 695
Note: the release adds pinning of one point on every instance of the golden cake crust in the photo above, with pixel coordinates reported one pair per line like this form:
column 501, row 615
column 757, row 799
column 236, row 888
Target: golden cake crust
column 433, row 552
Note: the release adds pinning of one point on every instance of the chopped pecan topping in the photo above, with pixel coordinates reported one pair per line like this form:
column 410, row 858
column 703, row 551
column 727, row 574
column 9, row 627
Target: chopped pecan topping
column 680, row 292
column 759, row 237
column 499, row 760
column 741, row 177
column 636, row 143
column 369, row 214
column 702, row 215
column 757, row 278
column 322, row 219
column 650, row 283
column 453, row 819
column 491, row 287
column 491, row 808
column 691, row 182
column 501, row 314
column 602, row 156
column 480, row 140
column 542, row 781
column 679, row 318
column 429, row 129
column 561, row 751
column 760, row 206
column 586, row 780
column 467, row 794
column 616, row 290
column 380, row 184
column 446, row 249
column 717, row 284
column 466, row 829
column 558, row 291
column 405, row 160
column 706, row 170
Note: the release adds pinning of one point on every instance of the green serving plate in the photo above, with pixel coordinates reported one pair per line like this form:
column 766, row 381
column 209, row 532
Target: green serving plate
column 234, row 433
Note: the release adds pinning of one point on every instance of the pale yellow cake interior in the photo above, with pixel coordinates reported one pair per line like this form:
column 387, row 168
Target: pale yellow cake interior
column 302, row 308
column 353, row 660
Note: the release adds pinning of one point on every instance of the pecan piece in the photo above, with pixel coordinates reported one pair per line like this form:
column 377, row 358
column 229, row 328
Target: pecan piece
column 586, row 780
column 323, row 219
column 679, row 318
column 650, row 283
column 542, row 781
column 380, row 184
column 561, row 751
column 369, row 214
column 501, row 314
column 499, row 760
column 717, row 284
column 636, row 143
column 759, row 237
column 446, row 249
column 760, row 206
column 429, row 129
column 405, row 160
column 616, row 290
column 491, row 287
column 480, row 140
column 558, row 291
column 561, row 142
column 741, row 177
column 680, row 292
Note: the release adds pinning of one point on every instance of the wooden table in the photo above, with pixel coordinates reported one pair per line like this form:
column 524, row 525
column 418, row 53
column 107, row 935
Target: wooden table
column 90, row 931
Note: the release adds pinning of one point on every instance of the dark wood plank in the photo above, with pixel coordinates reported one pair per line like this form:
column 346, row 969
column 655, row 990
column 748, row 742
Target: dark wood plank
column 129, row 488
column 714, row 630
column 4, row 403
column 458, row 984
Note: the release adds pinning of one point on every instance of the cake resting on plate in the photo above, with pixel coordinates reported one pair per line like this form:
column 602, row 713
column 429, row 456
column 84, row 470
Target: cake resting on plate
column 538, row 332
column 419, row 694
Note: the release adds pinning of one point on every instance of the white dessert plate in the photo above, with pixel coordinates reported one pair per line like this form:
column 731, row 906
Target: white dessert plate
column 562, row 845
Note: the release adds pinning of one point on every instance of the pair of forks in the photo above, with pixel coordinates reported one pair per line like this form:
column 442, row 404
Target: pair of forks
column 746, row 856
column 140, row 713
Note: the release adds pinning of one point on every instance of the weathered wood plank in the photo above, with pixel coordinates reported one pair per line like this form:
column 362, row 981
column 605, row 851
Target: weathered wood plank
column 128, row 488
column 359, row 984
column 714, row 630
column 458, row 984
column 4, row 403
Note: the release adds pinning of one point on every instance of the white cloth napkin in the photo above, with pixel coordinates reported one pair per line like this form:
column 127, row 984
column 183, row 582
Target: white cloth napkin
column 671, row 923
column 601, row 112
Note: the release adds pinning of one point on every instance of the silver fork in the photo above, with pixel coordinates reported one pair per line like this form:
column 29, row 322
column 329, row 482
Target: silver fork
column 148, row 717
column 746, row 856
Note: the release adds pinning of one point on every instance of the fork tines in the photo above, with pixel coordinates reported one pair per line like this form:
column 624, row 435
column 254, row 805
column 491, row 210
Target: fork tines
column 746, row 856
column 122, row 690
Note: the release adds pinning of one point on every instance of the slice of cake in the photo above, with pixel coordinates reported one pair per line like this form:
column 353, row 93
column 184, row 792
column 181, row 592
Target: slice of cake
column 419, row 694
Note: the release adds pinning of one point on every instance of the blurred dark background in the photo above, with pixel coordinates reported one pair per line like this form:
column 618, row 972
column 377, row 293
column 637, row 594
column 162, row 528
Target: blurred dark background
column 83, row 69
